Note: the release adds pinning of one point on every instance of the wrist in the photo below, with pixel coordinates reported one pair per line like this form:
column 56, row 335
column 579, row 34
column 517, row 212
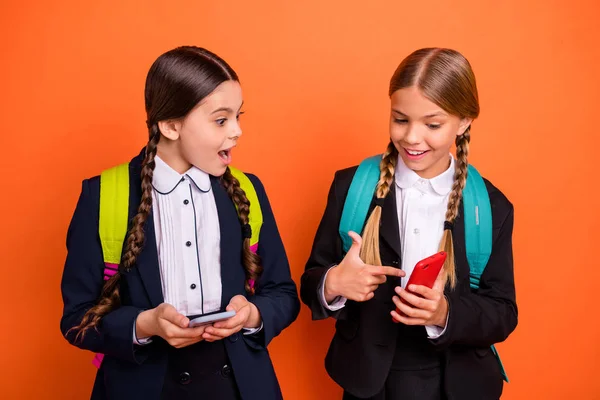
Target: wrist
column 330, row 284
column 254, row 319
column 443, row 317
column 144, row 324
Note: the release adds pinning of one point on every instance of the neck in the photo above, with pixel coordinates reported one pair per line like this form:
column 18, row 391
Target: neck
column 170, row 152
column 435, row 170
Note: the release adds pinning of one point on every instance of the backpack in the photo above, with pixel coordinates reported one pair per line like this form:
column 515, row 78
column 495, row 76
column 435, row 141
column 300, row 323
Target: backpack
column 114, row 210
column 477, row 212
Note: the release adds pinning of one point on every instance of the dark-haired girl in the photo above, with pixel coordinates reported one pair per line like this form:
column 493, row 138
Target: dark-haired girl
column 185, row 253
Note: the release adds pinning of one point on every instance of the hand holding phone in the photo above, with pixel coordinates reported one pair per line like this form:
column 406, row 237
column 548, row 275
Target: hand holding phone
column 210, row 318
column 426, row 306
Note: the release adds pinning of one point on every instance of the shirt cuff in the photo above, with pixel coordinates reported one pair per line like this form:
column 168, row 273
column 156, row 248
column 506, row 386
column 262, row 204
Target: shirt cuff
column 337, row 303
column 434, row 331
column 140, row 342
column 252, row 331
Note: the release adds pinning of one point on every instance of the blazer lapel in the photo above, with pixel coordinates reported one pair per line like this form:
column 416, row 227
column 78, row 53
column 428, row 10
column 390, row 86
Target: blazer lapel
column 232, row 273
column 460, row 251
column 389, row 230
column 147, row 261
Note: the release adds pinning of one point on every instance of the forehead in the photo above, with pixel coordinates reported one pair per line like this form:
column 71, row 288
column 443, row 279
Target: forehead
column 227, row 95
column 411, row 102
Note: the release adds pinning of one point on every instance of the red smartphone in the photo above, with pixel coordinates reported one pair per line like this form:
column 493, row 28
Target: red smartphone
column 425, row 273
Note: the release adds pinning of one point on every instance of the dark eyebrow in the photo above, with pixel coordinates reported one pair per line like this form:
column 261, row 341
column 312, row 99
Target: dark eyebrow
column 226, row 109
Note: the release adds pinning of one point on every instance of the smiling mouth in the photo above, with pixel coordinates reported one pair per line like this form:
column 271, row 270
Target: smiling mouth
column 415, row 154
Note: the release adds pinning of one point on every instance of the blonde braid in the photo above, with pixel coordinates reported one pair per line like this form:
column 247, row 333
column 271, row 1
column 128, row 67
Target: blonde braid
column 369, row 252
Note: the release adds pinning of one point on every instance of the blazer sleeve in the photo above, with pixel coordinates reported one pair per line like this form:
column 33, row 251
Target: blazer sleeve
column 277, row 296
column 82, row 282
column 326, row 249
column 489, row 314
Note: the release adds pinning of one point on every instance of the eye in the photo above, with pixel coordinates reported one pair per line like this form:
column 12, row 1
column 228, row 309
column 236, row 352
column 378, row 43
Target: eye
column 221, row 121
column 400, row 121
column 240, row 114
column 434, row 126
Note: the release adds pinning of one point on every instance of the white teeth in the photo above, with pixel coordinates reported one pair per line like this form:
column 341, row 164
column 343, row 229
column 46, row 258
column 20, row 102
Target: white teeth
column 414, row 153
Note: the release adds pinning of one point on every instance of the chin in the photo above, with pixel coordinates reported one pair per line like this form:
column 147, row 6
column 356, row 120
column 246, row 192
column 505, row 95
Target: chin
column 218, row 171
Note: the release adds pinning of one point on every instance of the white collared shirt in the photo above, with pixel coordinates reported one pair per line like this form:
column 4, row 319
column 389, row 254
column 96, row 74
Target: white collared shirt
column 188, row 241
column 421, row 205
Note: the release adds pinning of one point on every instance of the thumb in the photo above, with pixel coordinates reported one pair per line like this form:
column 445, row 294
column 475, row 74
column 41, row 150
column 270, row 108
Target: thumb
column 236, row 303
column 356, row 244
column 175, row 317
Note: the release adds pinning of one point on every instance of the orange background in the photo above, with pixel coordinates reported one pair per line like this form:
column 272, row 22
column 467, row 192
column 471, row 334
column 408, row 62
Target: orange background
column 315, row 78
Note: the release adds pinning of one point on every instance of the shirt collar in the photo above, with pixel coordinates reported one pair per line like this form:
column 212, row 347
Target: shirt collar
column 165, row 179
column 442, row 184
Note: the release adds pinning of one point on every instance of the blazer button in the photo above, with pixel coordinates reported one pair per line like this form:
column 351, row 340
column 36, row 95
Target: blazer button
column 234, row 338
column 226, row 370
column 184, row 378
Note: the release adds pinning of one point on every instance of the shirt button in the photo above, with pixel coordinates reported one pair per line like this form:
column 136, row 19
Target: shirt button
column 193, row 286
column 416, row 231
column 188, row 243
column 186, row 202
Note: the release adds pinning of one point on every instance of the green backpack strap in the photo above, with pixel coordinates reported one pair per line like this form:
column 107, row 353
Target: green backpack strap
column 478, row 233
column 255, row 215
column 114, row 209
column 113, row 219
column 359, row 198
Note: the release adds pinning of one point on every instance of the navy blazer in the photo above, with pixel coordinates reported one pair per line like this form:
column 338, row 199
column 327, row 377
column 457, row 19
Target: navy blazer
column 362, row 350
column 130, row 371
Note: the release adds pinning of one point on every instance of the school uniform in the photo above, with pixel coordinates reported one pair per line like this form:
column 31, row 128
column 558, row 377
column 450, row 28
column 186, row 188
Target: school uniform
column 370, row 356
column 191, row 259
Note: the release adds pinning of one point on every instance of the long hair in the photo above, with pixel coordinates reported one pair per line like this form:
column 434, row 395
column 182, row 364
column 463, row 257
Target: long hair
column 176, row 82
column 446, row 78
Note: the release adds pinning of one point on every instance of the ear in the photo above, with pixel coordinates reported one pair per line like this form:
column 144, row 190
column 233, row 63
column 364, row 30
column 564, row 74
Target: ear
column 465, row 123
column 170, row 128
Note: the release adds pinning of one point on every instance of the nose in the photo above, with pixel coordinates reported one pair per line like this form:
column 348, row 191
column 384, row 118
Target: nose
column 236, row 132
column 413, row 135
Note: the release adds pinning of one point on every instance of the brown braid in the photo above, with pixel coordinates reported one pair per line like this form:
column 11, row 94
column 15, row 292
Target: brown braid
column 110, row 299
column 369, row 252
column 251, row 261
column 454, row 202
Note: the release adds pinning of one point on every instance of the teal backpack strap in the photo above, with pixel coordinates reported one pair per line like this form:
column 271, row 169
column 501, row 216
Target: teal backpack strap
column 358, row 200
column 478, row 225
column 478, row 232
